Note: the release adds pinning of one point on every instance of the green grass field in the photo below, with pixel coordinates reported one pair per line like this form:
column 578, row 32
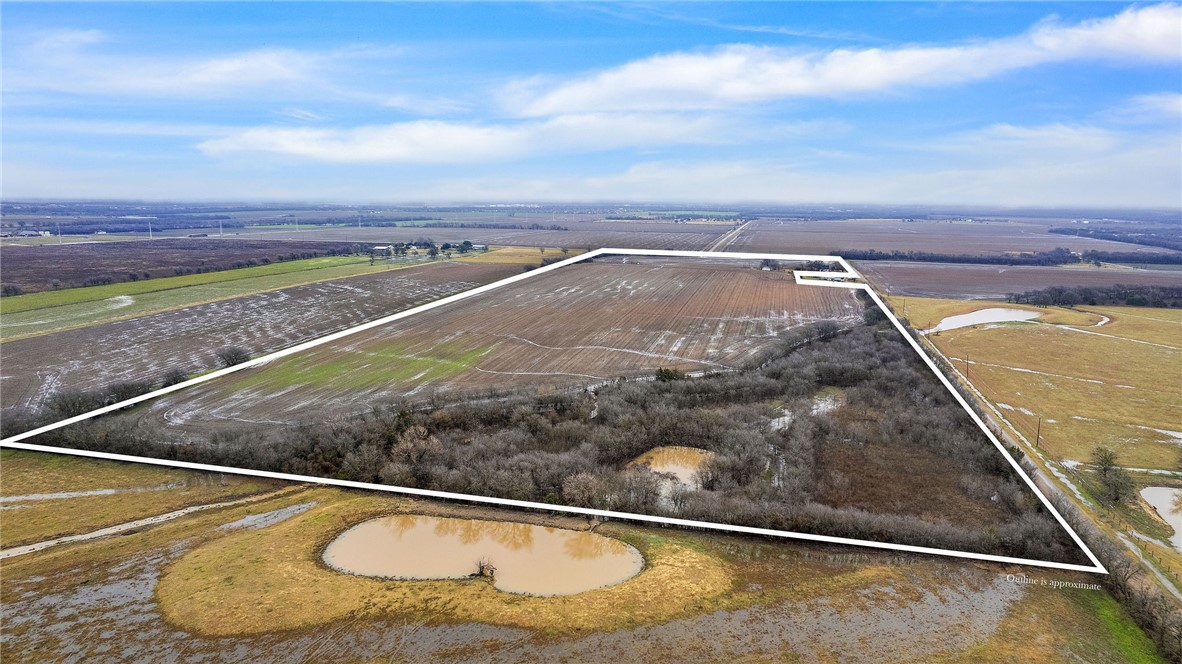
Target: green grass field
column 48, row 299
column 54, row 311
column 390, row 363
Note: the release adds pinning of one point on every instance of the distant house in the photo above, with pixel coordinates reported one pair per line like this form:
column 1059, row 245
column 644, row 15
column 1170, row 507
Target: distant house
column 383, row 250
column 480, row 247
column 29, row 234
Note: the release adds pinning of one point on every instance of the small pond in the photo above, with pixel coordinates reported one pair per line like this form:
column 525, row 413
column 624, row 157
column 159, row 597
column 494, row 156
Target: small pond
column 1164, row 500
column 532, row 560
column 981, row 316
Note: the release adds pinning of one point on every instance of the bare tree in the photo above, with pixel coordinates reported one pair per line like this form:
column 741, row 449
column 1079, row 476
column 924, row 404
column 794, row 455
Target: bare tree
column 232, row 355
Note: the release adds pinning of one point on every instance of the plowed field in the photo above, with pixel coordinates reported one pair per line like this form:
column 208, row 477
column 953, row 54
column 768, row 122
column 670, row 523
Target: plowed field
column 582, row 324
column 144, row 348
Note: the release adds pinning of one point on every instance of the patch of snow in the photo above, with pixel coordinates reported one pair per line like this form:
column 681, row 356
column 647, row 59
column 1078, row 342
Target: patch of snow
column 1175, row 435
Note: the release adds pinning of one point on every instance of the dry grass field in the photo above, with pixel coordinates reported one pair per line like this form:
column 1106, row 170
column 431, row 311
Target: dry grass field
column 188, row 335
column 233, row 594
column 517, row 255
column 585, row 323
column 1094, row 375
column 47, row 496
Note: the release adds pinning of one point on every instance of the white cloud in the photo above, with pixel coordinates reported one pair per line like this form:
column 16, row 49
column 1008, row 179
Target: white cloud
column 300, row 115
column 741, row 73
column 66, row 61
column 422, row 105
column 1157, row 107
column 1153, row 33
column 118, row 127
column 1004, row 141
column 1000, row 165
column 433, row 141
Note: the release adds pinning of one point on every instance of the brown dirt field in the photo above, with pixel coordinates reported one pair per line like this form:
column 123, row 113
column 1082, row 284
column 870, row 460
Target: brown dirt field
column 582, row 324
column 145, row 348
column 899, row 479
column 33, row 267
column 822, row 237
column 995, row 281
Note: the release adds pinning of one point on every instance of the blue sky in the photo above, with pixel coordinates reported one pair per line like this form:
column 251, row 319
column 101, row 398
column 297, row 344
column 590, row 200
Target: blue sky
column 962, row 103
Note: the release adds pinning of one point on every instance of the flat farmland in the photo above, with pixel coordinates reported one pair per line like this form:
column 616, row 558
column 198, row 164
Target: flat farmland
column 953, row 280
column 145, row 347
column 585, row 323
column 580, row 234
column 960, row 237
column 34, row 267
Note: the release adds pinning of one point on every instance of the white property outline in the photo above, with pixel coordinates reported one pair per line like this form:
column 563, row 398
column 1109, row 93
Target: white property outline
column 802, row 277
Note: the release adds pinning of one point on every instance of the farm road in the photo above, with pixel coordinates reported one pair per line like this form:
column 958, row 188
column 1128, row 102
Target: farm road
column 726, row 240
column 145, row 348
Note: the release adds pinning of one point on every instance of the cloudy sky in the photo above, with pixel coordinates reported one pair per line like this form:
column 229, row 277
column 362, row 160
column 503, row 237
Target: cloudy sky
column 999, row 104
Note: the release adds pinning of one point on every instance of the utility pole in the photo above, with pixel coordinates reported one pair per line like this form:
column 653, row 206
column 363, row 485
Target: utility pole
column 1038, row 432
column 59, row 230
column 220, row 233
column 149, row 228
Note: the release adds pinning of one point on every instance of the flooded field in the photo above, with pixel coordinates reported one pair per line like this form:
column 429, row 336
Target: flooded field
column 528, row 559
column 982, row 316
column 1167, row 503
column 681, row 462
column 245, row 583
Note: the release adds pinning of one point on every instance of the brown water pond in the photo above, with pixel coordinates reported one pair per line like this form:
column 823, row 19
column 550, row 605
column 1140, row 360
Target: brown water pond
column 681, row 462
column 532, row 560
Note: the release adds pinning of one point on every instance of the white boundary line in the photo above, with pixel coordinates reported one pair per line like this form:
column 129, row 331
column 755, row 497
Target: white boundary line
column 810, row 278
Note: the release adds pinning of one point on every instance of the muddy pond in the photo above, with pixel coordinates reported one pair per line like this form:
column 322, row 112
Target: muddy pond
column 680, row 462
column 528, row 559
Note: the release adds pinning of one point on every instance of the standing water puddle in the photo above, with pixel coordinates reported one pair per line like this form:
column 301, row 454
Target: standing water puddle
column 533, row 560
column 992, row 315
column 1164, row 500
column 271, row 518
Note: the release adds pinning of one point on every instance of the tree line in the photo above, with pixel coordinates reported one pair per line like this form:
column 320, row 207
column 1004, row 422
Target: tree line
column 1116, row 295
column 1167, row 237
column 1057, row 256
